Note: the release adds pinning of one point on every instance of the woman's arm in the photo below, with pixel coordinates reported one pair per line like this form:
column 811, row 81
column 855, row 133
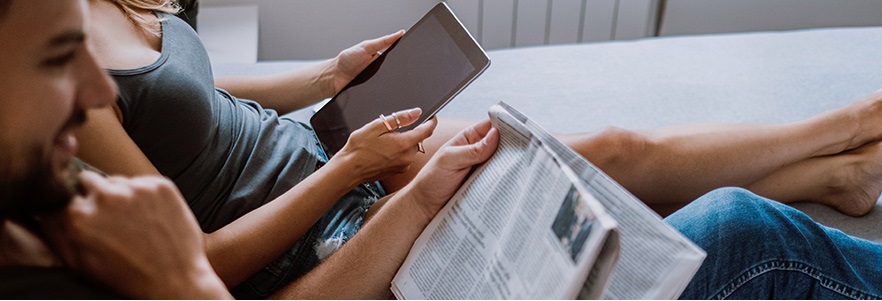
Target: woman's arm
column 106, row 145
column 243, row 247
column 246, row 245
column 283, row 92
column 366, row 264
column 293, row 90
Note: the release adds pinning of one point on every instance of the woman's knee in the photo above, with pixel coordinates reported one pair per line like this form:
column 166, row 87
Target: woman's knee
column 612, row 146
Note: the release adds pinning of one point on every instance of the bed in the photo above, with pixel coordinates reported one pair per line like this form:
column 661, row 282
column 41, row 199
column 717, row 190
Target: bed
column 765, row 77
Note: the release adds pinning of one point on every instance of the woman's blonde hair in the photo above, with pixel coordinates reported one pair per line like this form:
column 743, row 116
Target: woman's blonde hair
column 149, row 25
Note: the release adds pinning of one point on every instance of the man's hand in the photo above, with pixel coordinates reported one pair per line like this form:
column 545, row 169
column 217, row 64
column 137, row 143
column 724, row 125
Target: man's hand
column 444, row 173
column 137, row 236
column 351, row 61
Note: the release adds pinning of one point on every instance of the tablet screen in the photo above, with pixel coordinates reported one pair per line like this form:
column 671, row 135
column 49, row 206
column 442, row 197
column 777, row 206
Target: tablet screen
column 426, row 68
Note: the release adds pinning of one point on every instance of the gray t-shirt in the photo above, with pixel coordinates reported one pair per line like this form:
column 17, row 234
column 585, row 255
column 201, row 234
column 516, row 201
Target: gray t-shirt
column 227, row 155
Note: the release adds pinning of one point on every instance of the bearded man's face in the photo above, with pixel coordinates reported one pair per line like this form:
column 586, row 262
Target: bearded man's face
column 48, row 79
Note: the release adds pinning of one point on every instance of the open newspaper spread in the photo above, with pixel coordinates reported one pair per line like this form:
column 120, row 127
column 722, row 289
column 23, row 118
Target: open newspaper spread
column 537, row 221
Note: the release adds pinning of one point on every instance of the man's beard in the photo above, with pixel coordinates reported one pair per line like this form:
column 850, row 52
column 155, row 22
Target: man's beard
column 37, row 192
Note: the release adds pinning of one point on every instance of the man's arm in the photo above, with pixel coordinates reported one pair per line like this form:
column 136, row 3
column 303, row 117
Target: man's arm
column 364, row 267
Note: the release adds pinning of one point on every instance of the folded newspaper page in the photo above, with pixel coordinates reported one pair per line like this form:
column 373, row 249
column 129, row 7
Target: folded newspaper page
column 537, row 221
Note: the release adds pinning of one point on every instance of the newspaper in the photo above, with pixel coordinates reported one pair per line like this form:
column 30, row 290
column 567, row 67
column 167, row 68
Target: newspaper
column 538, row 221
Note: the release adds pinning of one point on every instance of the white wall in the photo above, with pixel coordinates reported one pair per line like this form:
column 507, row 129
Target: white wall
column 716, row 16
column 316, row 29
column 515, row 23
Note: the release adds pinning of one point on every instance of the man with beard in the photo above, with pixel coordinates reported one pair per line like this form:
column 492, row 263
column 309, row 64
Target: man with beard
column 69, row 235
column 48, row 78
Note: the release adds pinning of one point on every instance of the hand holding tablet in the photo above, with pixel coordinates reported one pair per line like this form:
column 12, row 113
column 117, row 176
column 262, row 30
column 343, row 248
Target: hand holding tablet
column 428, row 66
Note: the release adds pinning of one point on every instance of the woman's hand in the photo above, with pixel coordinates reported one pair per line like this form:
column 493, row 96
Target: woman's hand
column 374, row 152
column 445, row 172
column 351, row 61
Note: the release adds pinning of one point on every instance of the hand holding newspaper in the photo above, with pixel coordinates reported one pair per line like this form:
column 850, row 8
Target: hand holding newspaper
column 537, row 221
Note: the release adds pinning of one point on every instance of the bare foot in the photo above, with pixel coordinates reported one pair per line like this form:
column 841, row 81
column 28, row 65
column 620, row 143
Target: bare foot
column 850, row 182
column 867, row 111
column 856, row 186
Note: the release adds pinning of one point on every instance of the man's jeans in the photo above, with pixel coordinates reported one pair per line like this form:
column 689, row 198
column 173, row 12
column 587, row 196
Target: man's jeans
column 761, row 249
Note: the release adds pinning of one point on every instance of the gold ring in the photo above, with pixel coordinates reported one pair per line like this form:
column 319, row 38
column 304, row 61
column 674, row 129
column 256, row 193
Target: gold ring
column 386, row 122
column 397, row 120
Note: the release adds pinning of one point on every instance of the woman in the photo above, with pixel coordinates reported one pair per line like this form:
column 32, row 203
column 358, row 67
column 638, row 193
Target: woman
column 237, row 155
column 229, row 156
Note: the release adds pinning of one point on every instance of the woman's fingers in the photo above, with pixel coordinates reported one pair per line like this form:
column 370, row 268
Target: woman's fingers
column 405, row 118
column 421, row 132
column 383, row 132
column 389, row 123
column 381, row 43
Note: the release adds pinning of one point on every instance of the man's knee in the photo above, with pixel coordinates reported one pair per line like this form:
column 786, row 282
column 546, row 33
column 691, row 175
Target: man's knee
column 727, row 215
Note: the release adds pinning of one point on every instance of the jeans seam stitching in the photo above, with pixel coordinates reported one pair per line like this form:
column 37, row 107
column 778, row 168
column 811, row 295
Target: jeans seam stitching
column 804, row 268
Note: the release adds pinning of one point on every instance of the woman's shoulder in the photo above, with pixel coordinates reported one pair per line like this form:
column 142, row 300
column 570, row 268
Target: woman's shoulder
column 118, row 42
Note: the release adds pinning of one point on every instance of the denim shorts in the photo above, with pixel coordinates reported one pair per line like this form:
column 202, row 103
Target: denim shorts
column 332, row 230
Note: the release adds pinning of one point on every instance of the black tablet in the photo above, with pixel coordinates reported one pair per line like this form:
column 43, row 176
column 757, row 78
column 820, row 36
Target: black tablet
column 425, row 68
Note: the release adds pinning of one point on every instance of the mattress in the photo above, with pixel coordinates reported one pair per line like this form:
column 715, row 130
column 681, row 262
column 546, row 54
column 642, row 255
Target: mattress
column 766, row 77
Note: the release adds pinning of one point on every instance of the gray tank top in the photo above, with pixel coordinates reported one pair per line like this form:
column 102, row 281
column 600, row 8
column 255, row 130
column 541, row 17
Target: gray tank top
column 227, row 155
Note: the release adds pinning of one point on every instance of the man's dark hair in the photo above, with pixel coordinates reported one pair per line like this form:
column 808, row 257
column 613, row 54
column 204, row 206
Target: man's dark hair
column 4, row 7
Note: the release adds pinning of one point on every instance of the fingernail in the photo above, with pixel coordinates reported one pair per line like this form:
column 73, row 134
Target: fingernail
column 415, row 112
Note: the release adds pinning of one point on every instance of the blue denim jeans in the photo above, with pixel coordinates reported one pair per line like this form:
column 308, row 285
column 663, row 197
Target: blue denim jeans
column 333, row 229
column 762, row 249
